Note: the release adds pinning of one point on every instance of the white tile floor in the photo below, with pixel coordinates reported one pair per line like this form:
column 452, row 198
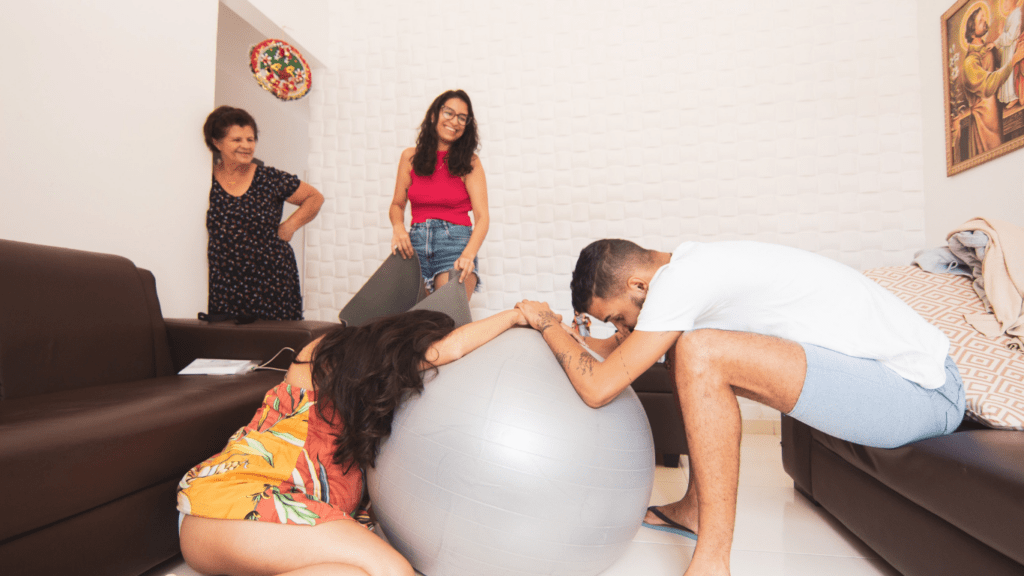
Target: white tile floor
column 778, row 532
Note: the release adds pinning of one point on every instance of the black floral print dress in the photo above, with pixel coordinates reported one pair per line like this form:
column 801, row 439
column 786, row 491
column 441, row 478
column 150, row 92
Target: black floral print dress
column 253, row 271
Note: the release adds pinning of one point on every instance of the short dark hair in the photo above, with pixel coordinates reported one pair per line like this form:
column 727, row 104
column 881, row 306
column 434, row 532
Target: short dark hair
column 601, row 270
column 221, row 120
column 460, row 154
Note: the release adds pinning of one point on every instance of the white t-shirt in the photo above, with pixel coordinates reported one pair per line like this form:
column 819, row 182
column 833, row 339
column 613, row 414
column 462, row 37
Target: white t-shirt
column 796, row 295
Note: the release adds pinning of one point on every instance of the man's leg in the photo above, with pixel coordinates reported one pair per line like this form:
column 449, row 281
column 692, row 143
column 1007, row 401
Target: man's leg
column 683, row 511
column 864, row 402
column 712, row 368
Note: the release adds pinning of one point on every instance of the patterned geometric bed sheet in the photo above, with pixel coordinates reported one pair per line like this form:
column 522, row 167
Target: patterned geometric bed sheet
column 993, row 374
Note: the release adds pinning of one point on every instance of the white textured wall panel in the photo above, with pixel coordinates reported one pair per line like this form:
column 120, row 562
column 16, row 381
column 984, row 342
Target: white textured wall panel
column 796, row 122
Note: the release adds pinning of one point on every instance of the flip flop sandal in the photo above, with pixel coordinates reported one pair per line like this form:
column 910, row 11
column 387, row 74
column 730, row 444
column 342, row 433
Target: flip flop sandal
column 670, row 525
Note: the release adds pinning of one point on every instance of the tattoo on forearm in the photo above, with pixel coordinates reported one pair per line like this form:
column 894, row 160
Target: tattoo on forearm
column 585, row 364
column 546, row 320
column 563, row 360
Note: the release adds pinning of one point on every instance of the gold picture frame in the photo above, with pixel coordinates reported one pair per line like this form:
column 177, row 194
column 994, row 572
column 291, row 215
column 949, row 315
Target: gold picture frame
column 984, row 81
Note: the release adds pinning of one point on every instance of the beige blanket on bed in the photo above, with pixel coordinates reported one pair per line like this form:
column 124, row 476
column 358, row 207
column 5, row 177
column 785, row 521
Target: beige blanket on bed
column 1003, row 273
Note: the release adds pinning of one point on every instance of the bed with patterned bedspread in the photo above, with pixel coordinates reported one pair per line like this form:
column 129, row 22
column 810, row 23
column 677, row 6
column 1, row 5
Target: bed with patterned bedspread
column 993, row 371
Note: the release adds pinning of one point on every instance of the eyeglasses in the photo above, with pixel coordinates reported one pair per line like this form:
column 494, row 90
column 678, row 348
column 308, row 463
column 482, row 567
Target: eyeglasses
column 448, row 114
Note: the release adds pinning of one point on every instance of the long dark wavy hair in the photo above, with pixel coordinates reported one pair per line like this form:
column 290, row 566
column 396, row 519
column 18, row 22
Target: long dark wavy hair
column 460, row 153
column 364, row 372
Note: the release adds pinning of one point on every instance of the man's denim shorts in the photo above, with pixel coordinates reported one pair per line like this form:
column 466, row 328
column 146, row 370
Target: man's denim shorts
column 865, row 402
column 439, row 243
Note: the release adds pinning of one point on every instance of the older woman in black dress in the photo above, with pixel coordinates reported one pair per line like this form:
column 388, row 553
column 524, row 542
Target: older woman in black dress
column 252, row 266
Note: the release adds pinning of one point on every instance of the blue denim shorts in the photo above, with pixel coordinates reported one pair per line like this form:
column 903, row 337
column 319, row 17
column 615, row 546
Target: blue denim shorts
column 865, row 402
column 438, row 244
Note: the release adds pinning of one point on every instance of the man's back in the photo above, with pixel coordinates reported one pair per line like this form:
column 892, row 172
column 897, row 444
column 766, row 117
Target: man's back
column 794, row 294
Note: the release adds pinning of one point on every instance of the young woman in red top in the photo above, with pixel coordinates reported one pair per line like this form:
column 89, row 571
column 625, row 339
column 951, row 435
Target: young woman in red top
column 442, row 180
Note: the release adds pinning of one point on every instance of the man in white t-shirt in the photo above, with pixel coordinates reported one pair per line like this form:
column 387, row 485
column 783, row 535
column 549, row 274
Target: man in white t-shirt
column 796, row 331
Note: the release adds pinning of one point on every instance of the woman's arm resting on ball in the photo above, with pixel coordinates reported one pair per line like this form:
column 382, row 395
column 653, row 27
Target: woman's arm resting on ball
column 465, row 339
column 598, row 383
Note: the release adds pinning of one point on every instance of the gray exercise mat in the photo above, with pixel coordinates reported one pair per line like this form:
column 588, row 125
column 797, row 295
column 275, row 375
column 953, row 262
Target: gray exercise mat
column 450, row 299
column 395, row 287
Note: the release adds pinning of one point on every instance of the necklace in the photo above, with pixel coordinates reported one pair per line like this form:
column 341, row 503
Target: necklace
column 234, row 175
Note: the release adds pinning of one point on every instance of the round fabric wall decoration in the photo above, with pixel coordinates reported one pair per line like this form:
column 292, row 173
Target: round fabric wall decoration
column 280, row 69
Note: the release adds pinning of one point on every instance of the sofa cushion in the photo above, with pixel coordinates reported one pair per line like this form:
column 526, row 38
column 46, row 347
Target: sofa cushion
column 74, row 319
column 972, row 479
column 67, row 452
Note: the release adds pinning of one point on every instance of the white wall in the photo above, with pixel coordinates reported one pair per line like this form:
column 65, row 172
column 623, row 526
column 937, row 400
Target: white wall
column 656, row 121
column 995, row 188
column 302, row 23
column 800, row 124
column 101, row 145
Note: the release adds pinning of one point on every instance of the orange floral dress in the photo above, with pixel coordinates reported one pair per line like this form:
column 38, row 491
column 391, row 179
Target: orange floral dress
column 278, row 468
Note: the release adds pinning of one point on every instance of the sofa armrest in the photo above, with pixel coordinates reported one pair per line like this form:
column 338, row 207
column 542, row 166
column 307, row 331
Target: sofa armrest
column 191, row 339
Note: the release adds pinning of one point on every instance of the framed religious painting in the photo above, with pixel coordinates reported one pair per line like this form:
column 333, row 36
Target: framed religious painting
column 984, row 81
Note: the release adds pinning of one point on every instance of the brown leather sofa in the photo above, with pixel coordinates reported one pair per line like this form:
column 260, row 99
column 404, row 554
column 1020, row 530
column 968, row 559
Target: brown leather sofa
column 947, row 505
column 96, row 427
column 657, row 394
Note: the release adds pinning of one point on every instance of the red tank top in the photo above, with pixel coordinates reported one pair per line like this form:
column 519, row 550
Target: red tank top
column 439, row 196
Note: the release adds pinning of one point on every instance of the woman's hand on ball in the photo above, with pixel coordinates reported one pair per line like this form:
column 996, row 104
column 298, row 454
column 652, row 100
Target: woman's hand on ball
column 520, row 318
column 539, row 315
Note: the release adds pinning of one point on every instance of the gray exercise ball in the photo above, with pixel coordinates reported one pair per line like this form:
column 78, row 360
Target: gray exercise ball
column 499, row 468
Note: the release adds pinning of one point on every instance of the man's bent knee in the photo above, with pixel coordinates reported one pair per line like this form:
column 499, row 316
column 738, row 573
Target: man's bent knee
column 767, row 369
column 702, row 346
column 695, row 352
